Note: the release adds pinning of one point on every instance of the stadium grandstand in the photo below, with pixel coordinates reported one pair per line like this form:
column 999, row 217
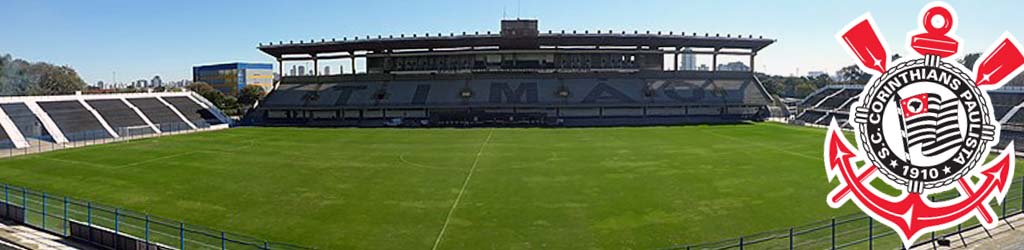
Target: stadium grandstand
column 519, row 76
column 834, row 101
column 40, row 121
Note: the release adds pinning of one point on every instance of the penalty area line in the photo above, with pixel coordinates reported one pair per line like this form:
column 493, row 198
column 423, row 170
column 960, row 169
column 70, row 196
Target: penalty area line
column 448, row 218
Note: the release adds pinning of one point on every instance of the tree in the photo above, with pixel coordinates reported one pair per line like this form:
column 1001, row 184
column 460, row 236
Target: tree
column 853, row 75
column 969, row 60
column 821, row 81
column 250, row 94
column 210, row 93
column 14, row 78
column 19, row 77
column 54, row 80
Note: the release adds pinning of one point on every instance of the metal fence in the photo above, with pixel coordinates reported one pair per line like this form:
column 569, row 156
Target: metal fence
column 94, row 222
column 44, row 143
column 859, row 231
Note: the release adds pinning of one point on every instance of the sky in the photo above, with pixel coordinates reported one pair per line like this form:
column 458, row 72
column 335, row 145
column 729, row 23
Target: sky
column 140, row 39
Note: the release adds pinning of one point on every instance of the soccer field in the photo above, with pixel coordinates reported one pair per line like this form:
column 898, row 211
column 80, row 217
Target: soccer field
column 485, row 188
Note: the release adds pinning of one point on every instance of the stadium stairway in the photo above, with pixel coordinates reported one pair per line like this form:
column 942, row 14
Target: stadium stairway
column 49, row 122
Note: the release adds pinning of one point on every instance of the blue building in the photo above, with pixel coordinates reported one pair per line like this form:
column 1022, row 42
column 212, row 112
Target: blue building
column 229, row 78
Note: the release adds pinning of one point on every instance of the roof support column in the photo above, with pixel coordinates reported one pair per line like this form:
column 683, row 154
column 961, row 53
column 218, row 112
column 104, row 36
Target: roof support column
column 280, row 67
column 714, row 60
column 676, row 65
column 316, row 66
column 752, row 55
column 352, row 56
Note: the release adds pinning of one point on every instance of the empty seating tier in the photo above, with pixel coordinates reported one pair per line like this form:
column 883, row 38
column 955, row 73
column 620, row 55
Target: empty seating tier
column 375, row 102
column 121, row 118
column 199, row 116
column 75, row 120
column 162, row 116
column 26, row 121
column 5, row 141
column 817, row 97
column 1017, row 119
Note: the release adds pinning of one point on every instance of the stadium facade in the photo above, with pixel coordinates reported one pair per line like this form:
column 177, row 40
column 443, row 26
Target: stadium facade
column 519, row 76
column 229, row 78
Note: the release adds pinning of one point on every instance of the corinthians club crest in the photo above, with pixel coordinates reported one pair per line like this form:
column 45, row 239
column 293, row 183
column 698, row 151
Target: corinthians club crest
column 923, row 125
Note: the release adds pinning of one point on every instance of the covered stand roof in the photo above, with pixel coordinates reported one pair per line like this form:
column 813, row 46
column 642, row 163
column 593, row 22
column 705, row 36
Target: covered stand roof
column 501, row 40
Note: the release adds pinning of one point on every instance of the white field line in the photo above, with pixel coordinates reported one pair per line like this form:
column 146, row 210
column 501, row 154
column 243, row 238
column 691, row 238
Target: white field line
column 465, row 183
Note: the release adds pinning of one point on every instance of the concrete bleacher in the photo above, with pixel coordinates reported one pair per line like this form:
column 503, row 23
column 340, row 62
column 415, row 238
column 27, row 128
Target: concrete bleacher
column 5, row 140
column 193, row 112
column 120, row 115
column 74, row 120
column 50, row 122
column 814, row 98
column 160, row 114
column 346, row 101
column 27, row 123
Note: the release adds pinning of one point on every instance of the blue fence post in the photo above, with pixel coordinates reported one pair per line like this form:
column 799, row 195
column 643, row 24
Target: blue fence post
column 88, row 217
column 871, row 233
column 1003, row 216
column 117, row 224
column 790, row 238
column 181, row 232
column 223, row 241
column 24, row 204
column 147, row 231
column 64, row 225
column 44, row 211
column 741, row 242
column 7, row 200
column 833, row 233
column 266, row 245
column 88, row 213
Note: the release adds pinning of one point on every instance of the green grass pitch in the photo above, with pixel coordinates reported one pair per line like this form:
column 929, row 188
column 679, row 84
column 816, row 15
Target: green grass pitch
column 573, row 188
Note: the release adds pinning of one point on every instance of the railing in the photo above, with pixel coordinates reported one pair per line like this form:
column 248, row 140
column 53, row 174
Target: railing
column 858, row 230
column 110, row 226
column 42, row 143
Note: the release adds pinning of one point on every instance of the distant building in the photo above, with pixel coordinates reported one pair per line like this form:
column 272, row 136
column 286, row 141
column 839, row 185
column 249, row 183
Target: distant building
column 100, row 84
column 734, row 66
column 704, row 67
column 229, row 78
column 302, row 70
column 177, row 84
column 689, row 60
column 327, row 70
column 156, row 82
column 813, row 74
